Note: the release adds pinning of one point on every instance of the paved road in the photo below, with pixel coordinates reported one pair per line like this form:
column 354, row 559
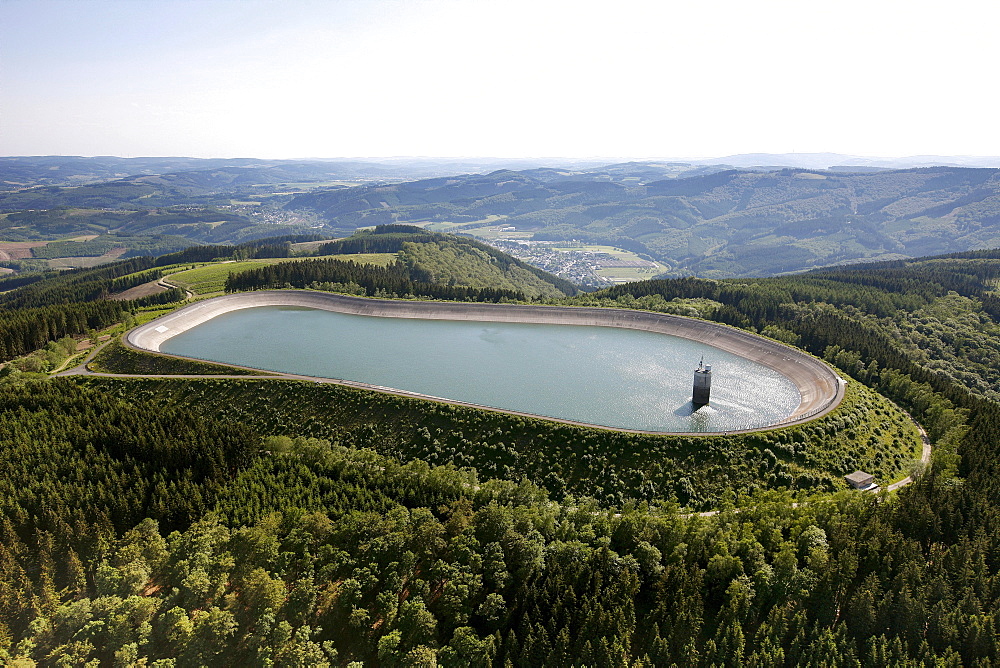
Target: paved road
column 167, row 285
column 925, row 457
column 81, row 368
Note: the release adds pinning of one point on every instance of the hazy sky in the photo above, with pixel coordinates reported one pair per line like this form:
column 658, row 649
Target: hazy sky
column 511, row 78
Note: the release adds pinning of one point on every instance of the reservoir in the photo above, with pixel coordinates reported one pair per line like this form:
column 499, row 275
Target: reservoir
column 608, row 376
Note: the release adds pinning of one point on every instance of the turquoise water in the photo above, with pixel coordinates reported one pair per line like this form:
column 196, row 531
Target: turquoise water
column 599, row 375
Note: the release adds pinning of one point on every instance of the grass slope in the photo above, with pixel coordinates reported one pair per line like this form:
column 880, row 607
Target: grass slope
column 118, row 358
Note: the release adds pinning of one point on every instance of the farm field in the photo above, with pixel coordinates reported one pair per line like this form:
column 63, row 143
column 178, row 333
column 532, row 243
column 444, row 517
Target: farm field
column 497, row 232
column 309, row 246
column 80, row 251
column 17, row 250
column 24, row 250
column 208, row 278
column 379, row 259
column 84, row 261
column 619, row 254
column 634, row 268
column 211, row 278
column 491, row 223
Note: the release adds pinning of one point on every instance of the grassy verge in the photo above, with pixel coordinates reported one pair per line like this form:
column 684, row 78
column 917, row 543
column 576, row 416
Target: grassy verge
column 118, row 358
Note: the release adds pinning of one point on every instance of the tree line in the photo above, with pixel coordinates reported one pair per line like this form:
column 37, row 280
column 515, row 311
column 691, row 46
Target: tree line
column 82, row 285
column 394, row 280
column 73, row 303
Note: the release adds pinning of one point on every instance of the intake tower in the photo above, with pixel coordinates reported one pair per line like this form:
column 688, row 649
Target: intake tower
column 702, row 384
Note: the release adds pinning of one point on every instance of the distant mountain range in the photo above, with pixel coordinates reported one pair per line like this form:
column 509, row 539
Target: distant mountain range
column 698, row 217
column 18, row 172
column 714, row 224
column 843, row 161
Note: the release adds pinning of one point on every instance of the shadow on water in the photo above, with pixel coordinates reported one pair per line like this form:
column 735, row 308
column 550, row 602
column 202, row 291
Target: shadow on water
column 701, row 415
column 689, row 409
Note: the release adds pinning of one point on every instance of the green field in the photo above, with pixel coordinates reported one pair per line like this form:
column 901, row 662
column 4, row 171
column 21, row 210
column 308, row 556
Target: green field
column 447, row 226
column 439, row 227
column 211, row 278
column 309, row 246
column 380, row 259
column 629, row 274
column 493, row 232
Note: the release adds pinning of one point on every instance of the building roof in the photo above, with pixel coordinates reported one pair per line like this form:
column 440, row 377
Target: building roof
column 859, row 478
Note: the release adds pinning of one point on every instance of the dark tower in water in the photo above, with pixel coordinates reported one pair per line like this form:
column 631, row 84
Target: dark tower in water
column 702, row 384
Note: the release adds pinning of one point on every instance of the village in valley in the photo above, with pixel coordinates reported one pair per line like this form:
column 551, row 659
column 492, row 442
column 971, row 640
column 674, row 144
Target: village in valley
column 585, row 264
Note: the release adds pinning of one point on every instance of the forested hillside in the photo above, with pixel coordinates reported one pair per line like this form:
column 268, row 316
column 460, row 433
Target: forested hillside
column 728, row 223
column 49, row 198
column 427, row 265
column 452, row 259
column 199, row 223
column 933, row 319
column 220, row 522
column 45, row 307
column 184, row 201
column 22, row 172
column 697, row 219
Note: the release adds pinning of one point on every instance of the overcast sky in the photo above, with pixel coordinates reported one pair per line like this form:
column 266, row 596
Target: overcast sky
column 512, row 78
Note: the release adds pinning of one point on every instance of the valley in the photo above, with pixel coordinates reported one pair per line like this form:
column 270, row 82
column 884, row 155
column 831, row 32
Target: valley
column 710, row 221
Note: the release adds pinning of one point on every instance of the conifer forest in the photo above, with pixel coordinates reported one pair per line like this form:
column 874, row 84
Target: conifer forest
column 151, row 518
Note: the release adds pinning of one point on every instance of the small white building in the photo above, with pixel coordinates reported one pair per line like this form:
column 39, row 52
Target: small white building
column 861, row 480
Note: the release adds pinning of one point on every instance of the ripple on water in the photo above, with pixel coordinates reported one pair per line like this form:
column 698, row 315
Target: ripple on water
column 600, row 375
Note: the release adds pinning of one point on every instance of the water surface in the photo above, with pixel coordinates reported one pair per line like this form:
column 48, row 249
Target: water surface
column 600, row 375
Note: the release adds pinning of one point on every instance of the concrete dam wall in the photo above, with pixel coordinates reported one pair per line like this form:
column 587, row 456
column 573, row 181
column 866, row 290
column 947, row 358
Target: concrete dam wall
column 820, row 389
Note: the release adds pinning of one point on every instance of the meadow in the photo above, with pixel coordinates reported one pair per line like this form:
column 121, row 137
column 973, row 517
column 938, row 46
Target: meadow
column 210, row 278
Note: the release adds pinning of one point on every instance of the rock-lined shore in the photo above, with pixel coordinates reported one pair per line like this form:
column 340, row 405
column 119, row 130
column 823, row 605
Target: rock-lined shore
column 820, row 389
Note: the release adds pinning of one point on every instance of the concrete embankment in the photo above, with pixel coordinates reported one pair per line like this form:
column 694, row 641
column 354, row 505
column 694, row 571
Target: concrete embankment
column 820, row 389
